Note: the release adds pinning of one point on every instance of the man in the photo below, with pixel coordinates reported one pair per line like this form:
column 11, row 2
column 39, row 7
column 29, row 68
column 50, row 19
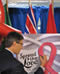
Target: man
column 8, row 63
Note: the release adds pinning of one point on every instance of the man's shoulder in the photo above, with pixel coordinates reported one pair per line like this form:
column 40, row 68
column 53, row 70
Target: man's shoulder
column 7, row 59
column 4, row 53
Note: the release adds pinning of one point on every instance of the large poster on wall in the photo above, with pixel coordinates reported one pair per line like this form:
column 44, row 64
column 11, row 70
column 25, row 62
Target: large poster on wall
column 29, row 55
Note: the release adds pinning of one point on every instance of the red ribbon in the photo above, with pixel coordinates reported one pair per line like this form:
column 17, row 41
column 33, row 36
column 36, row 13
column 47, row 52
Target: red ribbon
column 51, row 59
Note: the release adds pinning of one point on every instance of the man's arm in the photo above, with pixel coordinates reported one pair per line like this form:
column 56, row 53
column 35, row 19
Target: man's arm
column 43, row 60
column 18, row 70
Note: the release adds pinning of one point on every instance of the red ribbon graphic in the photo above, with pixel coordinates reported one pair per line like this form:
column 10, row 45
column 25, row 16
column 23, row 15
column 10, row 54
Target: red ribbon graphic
column 51, row 59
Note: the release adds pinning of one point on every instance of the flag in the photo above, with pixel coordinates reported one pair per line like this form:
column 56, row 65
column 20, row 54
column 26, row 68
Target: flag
column 51, row 26
column 2, row 15
column 30, row 21
column 7, row 18
column 39, row 26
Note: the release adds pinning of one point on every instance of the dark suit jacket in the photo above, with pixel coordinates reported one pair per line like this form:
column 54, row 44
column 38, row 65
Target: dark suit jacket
column 9, row 64
column 39, row 71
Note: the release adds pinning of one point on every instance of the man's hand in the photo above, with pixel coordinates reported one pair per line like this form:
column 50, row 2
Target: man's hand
column 43, row 60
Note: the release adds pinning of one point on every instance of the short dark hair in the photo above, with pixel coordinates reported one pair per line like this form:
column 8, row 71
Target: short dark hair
column 11, row 37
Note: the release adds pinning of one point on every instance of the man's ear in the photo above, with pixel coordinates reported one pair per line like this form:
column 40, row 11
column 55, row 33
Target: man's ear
column 14, row 43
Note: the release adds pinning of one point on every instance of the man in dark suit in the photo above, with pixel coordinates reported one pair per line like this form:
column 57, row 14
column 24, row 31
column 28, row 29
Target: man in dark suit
column 8, row 62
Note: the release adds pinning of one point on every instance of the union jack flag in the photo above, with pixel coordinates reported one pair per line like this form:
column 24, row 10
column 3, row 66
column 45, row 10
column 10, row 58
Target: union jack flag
column 30, row 21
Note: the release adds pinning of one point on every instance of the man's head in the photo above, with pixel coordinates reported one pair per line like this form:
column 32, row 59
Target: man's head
column 14, row 42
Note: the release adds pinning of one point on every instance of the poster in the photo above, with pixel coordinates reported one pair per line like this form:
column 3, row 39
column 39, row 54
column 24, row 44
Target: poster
column 29, row 54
